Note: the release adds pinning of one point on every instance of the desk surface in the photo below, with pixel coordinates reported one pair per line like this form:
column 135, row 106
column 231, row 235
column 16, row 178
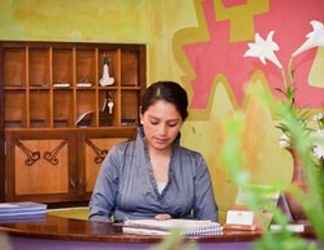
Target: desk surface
column 52, row 233
column 52, row 227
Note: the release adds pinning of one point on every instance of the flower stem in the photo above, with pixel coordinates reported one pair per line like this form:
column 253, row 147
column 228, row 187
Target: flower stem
column 290, row 73
column 284, row 78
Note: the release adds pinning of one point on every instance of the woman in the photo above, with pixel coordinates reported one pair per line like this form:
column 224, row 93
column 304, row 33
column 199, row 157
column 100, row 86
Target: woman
column 153, row 176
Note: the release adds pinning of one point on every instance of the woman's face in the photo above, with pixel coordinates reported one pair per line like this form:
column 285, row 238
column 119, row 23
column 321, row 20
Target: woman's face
column 161, row 123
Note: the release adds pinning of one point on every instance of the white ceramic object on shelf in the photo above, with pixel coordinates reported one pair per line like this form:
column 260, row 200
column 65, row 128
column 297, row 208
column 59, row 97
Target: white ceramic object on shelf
column 106, row 80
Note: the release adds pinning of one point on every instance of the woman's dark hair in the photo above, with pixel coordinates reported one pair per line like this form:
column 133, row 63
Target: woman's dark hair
column 167, row 91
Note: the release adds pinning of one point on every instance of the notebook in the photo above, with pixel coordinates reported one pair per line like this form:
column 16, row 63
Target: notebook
column 21, row 209
column 164, row 227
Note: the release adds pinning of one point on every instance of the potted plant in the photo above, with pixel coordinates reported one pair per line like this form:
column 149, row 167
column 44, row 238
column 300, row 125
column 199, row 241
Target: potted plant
column 264, row 49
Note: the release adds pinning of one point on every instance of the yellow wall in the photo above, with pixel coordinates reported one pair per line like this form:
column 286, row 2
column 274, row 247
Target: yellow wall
column 128, row 21
column 154, row 23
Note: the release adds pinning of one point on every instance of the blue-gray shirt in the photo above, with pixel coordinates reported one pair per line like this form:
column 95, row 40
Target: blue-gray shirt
column 126, row 188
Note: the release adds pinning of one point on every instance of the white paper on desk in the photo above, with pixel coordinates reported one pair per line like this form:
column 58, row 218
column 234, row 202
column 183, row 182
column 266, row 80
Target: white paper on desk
column 8, row 205
column 172, row 224
column 144, row 231
column 239, row 217
column 188, row 227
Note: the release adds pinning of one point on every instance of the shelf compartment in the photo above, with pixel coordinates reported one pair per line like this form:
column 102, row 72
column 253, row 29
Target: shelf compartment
column 86, row 108
column 14, row 124
column 39, row 70
column 62, row 108
column 130, row 107
column 14, row 61
column 130, row 67
column 108, row 117
column 39, row 109
column 86, row 66
column 62, row 66
column 15, row 109
column 114, row 68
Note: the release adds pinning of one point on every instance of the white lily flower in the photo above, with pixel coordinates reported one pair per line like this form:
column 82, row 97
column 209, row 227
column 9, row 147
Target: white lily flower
column 317, row 117
column 264, row 49
column 315, row 38
column 318, row 137
column 318, row 151
column 284, row 141
column 319, row 120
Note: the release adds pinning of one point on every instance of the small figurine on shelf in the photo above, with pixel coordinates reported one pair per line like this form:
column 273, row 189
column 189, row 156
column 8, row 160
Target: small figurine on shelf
column 108, row 104
column 107, row 110
column 106, row 80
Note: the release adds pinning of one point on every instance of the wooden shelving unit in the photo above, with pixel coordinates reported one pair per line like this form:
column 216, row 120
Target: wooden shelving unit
column 46, row 103
column 32, row 70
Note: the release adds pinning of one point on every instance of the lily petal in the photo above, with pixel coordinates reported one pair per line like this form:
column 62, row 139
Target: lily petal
column 315, row 38
column 264, row 49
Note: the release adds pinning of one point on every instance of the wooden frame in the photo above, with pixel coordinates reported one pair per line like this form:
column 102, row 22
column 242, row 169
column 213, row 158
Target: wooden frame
column 2, row 148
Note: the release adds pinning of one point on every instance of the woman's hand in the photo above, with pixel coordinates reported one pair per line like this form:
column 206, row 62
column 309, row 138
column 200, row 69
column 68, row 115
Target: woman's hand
column 162, row 217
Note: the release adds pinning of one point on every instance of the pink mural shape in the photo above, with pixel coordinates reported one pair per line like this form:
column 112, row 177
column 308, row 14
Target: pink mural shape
column 289, row 19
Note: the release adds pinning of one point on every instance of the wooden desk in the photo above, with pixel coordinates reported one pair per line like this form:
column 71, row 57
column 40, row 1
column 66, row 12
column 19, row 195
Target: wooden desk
column 51, row 232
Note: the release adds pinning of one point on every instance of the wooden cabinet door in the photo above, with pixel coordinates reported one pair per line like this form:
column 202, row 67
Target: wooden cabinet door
column 39, row 165
column 95, row 145
column 95, row 151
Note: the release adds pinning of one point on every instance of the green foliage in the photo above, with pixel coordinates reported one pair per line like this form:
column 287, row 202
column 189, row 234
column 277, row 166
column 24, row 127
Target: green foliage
column 289, row 94
column 292, row 122
column 288, row 106
column 175, row 241
column 283, row 240
column 301, row 141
